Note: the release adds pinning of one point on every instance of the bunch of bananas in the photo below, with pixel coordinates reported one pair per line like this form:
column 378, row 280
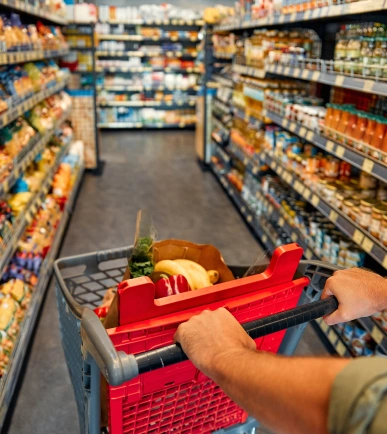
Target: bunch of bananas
column 196, row 275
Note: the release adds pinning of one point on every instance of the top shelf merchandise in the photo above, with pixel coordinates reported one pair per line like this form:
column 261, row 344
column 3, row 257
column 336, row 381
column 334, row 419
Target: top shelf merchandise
column 54, row 12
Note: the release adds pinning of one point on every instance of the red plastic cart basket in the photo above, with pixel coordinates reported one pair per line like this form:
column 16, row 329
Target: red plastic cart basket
column 176, row 398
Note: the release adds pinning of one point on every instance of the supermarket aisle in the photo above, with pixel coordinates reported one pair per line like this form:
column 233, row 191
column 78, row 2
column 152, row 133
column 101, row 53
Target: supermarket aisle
column 157, row 170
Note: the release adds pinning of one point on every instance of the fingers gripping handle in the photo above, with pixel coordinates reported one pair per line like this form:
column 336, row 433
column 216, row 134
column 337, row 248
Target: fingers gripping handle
column 172, row 354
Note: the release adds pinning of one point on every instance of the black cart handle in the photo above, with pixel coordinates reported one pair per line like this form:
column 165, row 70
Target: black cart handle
column 166, row 356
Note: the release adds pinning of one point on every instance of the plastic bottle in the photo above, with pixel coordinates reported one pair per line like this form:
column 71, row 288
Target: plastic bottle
column 352, row 125
column 344, row 119
column 380, row 132
column 329, row 115
column 361, row 126
column 370, row 130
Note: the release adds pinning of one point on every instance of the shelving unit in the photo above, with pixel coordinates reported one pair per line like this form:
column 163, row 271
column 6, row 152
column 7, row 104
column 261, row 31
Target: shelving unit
column 16, row 108
column 229, row 156
column 136, row 47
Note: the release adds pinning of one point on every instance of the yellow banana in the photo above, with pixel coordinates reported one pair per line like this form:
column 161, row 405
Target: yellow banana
column 213, row 275
column 172, row 268
column 197, row 273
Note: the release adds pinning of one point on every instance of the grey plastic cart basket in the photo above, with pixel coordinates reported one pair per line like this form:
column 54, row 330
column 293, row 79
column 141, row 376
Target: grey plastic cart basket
column 81, row 284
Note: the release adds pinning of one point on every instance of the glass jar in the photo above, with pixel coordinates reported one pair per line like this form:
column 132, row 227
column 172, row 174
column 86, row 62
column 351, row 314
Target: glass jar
column 351, row 127
column 378, row 212
column 339, row 199
column 360, row 130
column 340, row 54
column 383, row 231
column 342, row 126
column 355, row 213
column 370, row 130
column 353, row 55
column 348, row 206
column 367, row 182
column 332, row 167
column 377, row 139
column 365, row 212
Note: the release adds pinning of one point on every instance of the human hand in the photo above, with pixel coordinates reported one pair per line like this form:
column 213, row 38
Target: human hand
column 360, row 293
column 211, row 337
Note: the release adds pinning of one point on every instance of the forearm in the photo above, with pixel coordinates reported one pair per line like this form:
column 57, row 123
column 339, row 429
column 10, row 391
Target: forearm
column 288, row 395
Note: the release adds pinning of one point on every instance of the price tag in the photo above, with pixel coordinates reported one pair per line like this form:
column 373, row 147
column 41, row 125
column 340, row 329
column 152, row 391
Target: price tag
column 315, row 13
column 340, row 348
column 264, row 239
column 294, row 237
column 308, row 254
column 367, row 165
column 307, row 193
column 332, row 336
column 281, row 19
column 280, row 170
column 333, row 216
column 293, row 127
column 305, row 74
column 296, row 72
column 329, row 145
column 281, row 222
column 323, row 326
column 285, row 123
column 307, row 15
column 270, row 209
column 368, row 85
column 286, row 70
column 315, row 200
column 367, row 244
column 255, row 170
column 249, row 218
column 340, row 151
column 358, row 237
column 243, row 209
column 377, row 335
column 302, row 132
column 309, row 136
column 339, row 80
column 293, row 17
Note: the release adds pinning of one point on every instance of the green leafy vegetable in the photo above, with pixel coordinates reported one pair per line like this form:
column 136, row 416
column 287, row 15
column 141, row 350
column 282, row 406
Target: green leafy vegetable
column 141, row 262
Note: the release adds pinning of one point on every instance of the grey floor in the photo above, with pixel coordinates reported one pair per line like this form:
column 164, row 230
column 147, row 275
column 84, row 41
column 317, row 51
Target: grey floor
column 156, row 170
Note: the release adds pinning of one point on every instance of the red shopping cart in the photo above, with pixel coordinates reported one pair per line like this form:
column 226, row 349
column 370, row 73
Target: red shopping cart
column 152, row 387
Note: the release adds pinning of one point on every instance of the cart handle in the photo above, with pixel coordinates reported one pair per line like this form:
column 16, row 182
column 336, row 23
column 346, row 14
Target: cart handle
column 124, row 367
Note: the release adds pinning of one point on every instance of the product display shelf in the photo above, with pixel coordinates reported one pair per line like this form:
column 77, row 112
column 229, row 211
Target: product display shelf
column 345, row 224
column 142, row 53
column 324, row 74
column 221, row 106
column 326, row 12
column 374, row 167
column 251, row 120
column 166, row 22
column 261, row 233
column 330, row 333
column 9, row 381
column 140, row 38
column 135, row 69
column 141, row 125
column 28, row 56
column 36, row 11
column 140, row 88
column 224, row 81
column 219, row 124
column 28, row 154
column 170, row 105
column 21, row 107
column 25, row 217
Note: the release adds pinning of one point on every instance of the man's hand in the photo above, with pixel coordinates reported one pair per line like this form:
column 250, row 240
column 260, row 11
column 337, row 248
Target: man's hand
column 360, row 293
column 211, row 337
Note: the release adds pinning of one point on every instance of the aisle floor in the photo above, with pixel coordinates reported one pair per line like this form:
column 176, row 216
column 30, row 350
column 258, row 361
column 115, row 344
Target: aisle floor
column 154, row 170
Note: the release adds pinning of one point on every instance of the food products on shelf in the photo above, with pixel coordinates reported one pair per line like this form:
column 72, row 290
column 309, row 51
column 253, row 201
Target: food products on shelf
column 147, row 12
column 146, row 116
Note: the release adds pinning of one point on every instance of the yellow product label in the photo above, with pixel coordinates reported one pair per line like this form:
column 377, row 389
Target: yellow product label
column 358, row 236
column 367, row 244
column 367, row 165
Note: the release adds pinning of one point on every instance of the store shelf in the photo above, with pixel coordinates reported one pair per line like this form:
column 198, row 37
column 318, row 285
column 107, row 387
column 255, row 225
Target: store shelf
column 159, row 104
column 329, row 77
column 251, row 120
column 376, row 332
column 141, row 53
column 36, row 11
column 249, row 70
column 140, row 38
column 221, row 106
column 134, row 69
column 218, row 124
column 243, row 208
column 28, row 56
column 334, row 338
column 13, row 112
column 359, row 7
column 141, row 88
column 364, row 162
column 169, row 22
column 9, row 381
column 223, row 80
column 225, row 56
column 140, row 125
column 361, row 237
column 24, row 218
column 27, row 155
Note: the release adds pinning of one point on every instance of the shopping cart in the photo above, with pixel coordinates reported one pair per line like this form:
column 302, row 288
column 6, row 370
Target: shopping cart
column 177, row 398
